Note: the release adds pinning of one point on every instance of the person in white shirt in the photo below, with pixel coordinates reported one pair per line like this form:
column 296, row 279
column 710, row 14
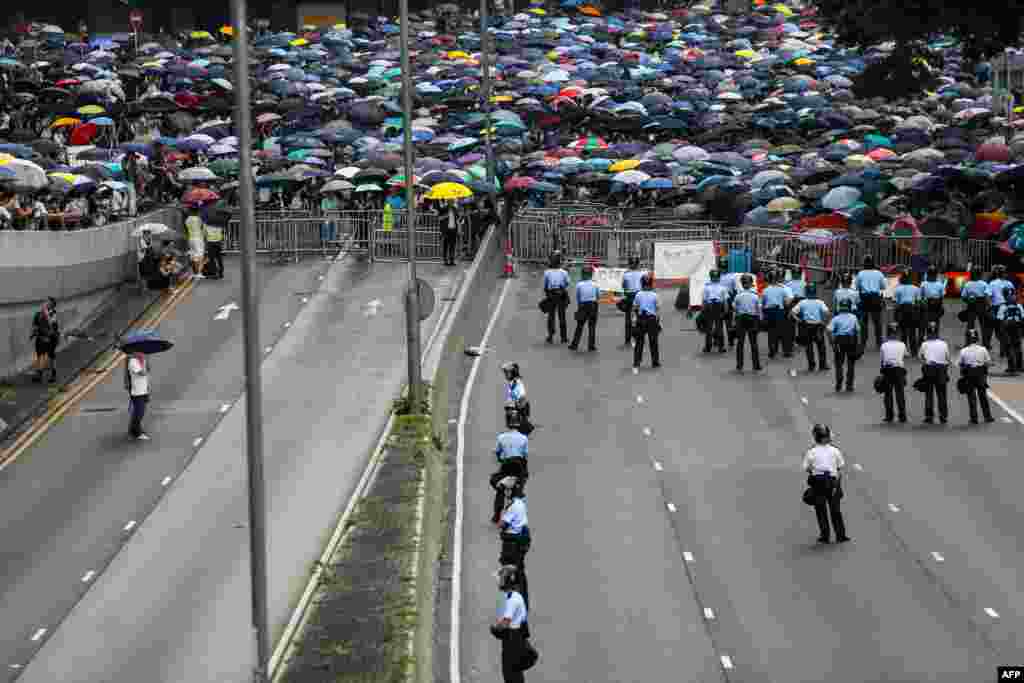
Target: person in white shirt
column 138, row 393
column 515, row 531
column 894, row 373
column 511, row 626
column 974, row 360
column 934, row 353
column 824, row 464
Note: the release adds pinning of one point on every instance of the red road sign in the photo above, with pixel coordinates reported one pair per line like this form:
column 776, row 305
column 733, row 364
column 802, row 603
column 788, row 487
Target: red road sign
column 135, row 18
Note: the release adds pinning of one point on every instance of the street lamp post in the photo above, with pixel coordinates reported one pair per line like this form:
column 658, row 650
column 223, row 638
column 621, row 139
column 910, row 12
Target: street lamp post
column 485, row 87
column 412, row 295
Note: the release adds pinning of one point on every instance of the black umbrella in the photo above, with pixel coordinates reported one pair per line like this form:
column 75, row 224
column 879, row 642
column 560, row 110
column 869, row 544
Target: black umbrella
column 158, row 105
column 146, row 342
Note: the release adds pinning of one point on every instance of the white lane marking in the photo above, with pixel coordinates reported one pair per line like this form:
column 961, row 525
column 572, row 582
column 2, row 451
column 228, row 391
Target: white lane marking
column 455, row 673
column 165, row 481
column 857, row 466
column 640, row 398
column 688, row 557
column 1006, row 407
column 268, row 349
column 938, row 557
column 991, row 612
column 15, row 666
column 372, row 308
column 196, row 441
column 671, row 507
column 1006, row 419
column 87, row 577
column 792, row 373
column 225, row 407
column 647, row 431
column 319, row 277
column 709, row 613
column 636, row 371
column 726, row 661
column 305, row 299
column 38, row 634
column 453, row 421
column 130, row 525
column 287, row 325
column 894, row 508
column 224, row 312
column 803, row 399
column 657, row 466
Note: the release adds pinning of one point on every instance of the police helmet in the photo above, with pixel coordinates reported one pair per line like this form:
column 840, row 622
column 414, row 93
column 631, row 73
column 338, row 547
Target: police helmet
column 893, row 330
column 998, row 269
column 723, row 264
column 646, row 281
column 746, row 281
column 933, row 272
column 508, row 577
column 634, row 262
column 713, row 276
column 555, row 260
column 932, row 330
column 845, row 305
column 821, row 433
column 846, row 279
column 811, row 291
column 971, row 336
column 769, row 277
column 869, row 261
column 511, row 370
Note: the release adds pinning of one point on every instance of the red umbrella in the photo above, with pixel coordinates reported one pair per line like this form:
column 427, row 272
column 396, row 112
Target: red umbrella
column 83, row 134
column 519, row 183
column 198, row 196
column 993, row 152
column 986, row 225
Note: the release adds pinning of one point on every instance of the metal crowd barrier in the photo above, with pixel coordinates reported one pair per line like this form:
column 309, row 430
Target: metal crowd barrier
column 393, row 244
column 284, row 239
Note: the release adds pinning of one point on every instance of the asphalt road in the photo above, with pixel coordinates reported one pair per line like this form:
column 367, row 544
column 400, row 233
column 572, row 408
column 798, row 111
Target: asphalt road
column 670, row 541
column 169, row 599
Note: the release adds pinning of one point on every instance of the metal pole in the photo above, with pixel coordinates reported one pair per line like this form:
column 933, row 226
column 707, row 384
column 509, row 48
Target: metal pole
column 412, row 303
column 253, row 356
column 485, row 87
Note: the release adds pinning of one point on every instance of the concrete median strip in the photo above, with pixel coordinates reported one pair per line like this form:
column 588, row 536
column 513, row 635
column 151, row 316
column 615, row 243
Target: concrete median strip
column 80, row 387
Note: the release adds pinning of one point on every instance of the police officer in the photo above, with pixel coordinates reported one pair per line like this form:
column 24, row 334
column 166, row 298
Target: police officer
column 631, row 284
column 907, row 298
column 977, row 299
column 774, row 300
column 934, row 353
column 215, row 247
column 511, row 626
column 894, row 373
column 933, row 291
column 974, row 360
column 797, row 289
column 648, row 323
column 824, row 464
column 747, row 306
column 512, row 452
column 515, row 396
column 556, row 289
column 729, row 280
column 587, row 294
column 870, row 283
column 713, row 301
column 997, row 297
column 811, row 314
column 514, row 532
column 846, row 292
column 845, row 332
column 1011, row 321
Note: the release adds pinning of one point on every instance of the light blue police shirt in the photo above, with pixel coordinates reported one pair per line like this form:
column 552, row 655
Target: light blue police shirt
column 514, row 517
column 747, row 303
column 556, row 278
column 513, row 608
column 975, row 289
column 631, row 281
column 775, row 296
column 515, row 390
column 646, row 302
column 728, row 280
column 797, row 287
column 906, row 294
column 1005, row 312
column 870, row 282
column 996, row 288
column 843, row 294
column 587, row 292
column 512, row 444
column 934, row 290
column 844, row 325
column 714, row 293
column 812, row 310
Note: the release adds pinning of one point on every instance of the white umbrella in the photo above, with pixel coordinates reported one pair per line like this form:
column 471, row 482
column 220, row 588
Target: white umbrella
column 337, row 186
column 631, row 177
column 191, row 175
column 152, row 228
column 348, row 172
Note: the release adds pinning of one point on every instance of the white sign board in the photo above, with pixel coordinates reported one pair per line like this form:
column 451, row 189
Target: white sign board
column 675, row 261
column 609, row 279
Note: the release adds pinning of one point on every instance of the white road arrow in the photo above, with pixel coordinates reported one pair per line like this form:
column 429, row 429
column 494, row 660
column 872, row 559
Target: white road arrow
column 225, row 311
column 373, row 307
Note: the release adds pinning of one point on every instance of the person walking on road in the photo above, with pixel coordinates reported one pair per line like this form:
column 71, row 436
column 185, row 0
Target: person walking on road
column 845, row 333
column 631, row 284
column 907, row 298
column 511, row 627
column 811, row 315
column 846, row 292
column 449, row 234
column 997, row 287
column 556, row 293
column 214, row 236
column 1011, row 321
column 648, row 324
column 824, row 464
column 894, row 373
column 514, row 531
column 774, row 300
column 46, row 333
column 713, row 302
column 137, row 380
column 933, row 291
column 512, row 451
column 974, row 360
column 196, row 243
column 976, row 297
column 934, row 353
column 747, row 307
column 870, row 283
column 587, row 294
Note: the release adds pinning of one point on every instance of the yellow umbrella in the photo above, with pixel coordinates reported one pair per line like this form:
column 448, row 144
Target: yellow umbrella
column 69, row 177
column 199, row 34
column 5, row 158
column 537, row 10
column 624, row 165
column 780, row 204
column 458, row 54
column 227, row 30
column 803, row 61
column 65, row 121
column 449, row 191
column 782, row 9
column 299, row 42
column 339, row 27
column 749, row 54
column 90, row 110
column 497, row 99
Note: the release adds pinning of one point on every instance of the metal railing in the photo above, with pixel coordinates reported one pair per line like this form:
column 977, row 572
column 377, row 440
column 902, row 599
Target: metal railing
column 285, row 239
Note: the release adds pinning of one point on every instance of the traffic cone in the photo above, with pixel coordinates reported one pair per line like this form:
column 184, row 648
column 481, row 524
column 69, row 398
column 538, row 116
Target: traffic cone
column 510, row 270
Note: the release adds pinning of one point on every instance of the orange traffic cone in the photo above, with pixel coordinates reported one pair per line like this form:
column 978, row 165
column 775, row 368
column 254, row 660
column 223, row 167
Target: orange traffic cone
column 509, row 266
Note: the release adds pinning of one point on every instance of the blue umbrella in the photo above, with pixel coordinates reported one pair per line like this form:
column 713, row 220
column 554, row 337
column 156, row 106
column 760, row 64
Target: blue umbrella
column 145, row 341
column 656, row 184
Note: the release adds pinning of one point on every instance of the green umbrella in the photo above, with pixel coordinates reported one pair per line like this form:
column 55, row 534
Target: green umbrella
column 225, row 168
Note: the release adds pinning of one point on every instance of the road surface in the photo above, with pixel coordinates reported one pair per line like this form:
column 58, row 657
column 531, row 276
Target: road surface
column 670, row 541
column 167, row 598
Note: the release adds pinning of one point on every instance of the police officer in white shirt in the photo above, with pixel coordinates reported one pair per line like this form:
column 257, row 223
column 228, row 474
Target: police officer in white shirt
column 824, row 464
column 974, row 360
column 934, row 353
column 894, row 372
column 515, row 531
column 511, row 627
column 512, row 451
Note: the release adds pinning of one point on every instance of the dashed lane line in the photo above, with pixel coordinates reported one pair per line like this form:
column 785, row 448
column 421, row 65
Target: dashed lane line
column 991, row 612
column 640, row 398
column 671, row 507
column 657, row 466
column 1006, row 407
column 857, row 466
column 196, row 441
column 938, row 557
column 88, row 576
column 165, row 481
column 647, row 431
column 40, row 632
column 687, row 556
column 726, row 661
column 894, row 508
column 709, row 614
column 130, row 525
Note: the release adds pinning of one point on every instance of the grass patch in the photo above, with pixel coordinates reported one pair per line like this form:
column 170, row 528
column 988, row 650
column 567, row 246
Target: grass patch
column 7, row 392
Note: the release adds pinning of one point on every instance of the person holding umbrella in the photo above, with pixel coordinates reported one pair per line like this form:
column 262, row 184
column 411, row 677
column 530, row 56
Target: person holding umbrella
column 137, row 346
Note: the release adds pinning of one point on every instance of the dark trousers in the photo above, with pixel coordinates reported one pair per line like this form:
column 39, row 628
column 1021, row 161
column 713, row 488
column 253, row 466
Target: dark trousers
column 587, row 315
column 747, row 327
column 827, row 504
column 978, row 319
column 714, row 315
column 513, row 551
column 511, row 656
column 933, row 312
column 448, row 240
column 910, row 326
column 513, row 467
column 775, row 321
column 137, row 411
column 977, row 393
column 937, row 377
column 815, row 336
column 872, row 307
column 895, row 383
column 215, row 250
column 646, row 327
column 629, row 315
column 1011, row 335
column 845, row 354
column 559, row 310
